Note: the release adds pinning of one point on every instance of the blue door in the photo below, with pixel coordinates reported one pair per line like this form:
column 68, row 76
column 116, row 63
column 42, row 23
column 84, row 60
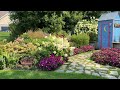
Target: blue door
column 105, row 35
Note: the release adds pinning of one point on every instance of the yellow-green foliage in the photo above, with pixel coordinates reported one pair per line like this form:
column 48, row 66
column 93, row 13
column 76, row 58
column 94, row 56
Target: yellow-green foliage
column 80, row 39
column 36, row 34
column 18, row 48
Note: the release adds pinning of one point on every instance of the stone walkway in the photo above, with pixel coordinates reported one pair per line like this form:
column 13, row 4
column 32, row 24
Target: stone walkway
column 81, row 64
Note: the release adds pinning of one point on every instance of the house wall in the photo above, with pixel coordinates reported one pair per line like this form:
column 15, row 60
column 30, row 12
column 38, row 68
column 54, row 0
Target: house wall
column 5, row 21
column 116, row 32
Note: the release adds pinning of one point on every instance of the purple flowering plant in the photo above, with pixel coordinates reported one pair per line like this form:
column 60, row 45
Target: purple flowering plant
column 50, row 63
column 85, row 48
column 110, row 56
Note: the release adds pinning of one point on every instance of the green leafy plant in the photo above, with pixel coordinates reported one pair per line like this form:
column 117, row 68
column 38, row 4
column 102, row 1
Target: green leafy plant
column 80, row 39
column 2, row 62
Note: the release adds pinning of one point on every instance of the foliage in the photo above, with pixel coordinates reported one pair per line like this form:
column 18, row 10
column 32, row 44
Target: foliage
column 89, row 27
column 54, row 22
column 108, row 56
column 36, row 34
column 50, row 63
column 12, row 51
column 2, row 62
column 80, row 39
column 76, row 51
column 87, row 48
column 82, row 49
column 61, row 34
column 71, row 18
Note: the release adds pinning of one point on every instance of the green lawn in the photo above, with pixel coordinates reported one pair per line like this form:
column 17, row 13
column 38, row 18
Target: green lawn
column 25, row 74
column 4, row 35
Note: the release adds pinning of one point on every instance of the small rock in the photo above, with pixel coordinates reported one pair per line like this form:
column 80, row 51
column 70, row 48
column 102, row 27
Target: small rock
column 67, row 63
column 102, row 74
column 97, row 65
column 90, row 65
column 107, row 66
column 87, row 68
column 103, row 69
column 119, row 77
column 96, row 74
column 109, row 76
column 87, row 72
column 115, row 73
column 78, row 71
column 63, row 67
column 70, row 68
column 73, row 64
column 69, row 71
column 80, row 68
column 59, row 71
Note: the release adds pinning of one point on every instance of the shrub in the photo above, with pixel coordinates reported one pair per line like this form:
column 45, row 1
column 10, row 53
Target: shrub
column 76, row 51
column 107, row 56
column 112, row 49
column 80, row 39
column 2, row 62
column 61, row 34
column 50, row 63
column 93, row 37
column 36, row 34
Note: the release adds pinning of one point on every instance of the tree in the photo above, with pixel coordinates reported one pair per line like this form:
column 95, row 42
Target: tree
column 48, row 21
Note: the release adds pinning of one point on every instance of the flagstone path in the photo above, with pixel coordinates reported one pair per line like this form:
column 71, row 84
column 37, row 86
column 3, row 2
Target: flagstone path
column 82, row 64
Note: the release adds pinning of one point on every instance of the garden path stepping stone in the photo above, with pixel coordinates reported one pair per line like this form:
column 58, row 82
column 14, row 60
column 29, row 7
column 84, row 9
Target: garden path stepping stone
column 119, row 77
column 59, row 71
column 87, row 72
column 115, row 73
column 109, row 76
column 96, row 74
column 87, row 68
column 79, row 64
column 69, row 71
column 78, row 71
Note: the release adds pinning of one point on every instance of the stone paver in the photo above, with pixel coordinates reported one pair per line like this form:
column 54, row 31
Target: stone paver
column 95, row 74
column 110, row 76
column 69, row 71
column 115, row 73
column 119, row 77
column 80, row 64
column 79, row 71
column 87, row 72
column 59, row 71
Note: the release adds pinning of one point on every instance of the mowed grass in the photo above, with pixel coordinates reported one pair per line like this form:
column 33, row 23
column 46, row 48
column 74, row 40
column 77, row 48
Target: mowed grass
column 27, row 74
column 4, row 35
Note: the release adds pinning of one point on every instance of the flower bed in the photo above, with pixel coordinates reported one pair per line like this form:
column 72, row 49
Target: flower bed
column 83, row 49
column 50, row 63
column 110, row 56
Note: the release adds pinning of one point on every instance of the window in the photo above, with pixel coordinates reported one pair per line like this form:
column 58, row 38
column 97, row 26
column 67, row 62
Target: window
column 5, row 28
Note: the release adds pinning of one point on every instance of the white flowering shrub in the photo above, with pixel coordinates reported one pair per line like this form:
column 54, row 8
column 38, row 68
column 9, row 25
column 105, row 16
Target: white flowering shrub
column 89, row 27
column 85, row 26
